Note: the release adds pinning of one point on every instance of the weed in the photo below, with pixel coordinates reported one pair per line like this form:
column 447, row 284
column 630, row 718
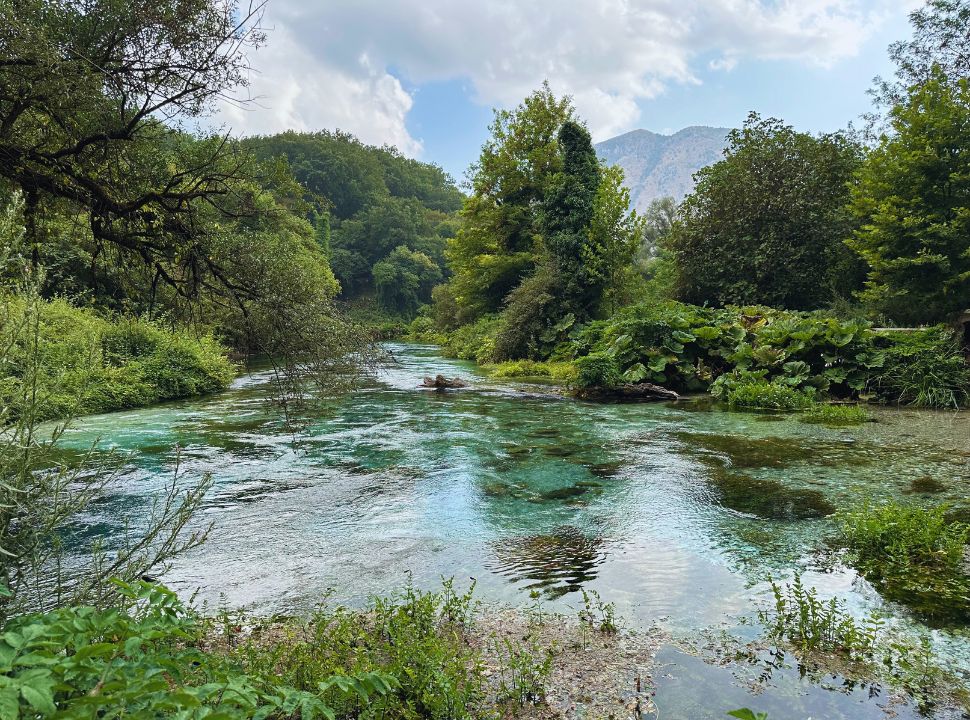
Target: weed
column 811, row 624
column 524, row 672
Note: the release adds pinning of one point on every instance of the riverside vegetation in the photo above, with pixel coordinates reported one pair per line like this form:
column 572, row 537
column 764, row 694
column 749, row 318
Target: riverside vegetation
column 140, row 263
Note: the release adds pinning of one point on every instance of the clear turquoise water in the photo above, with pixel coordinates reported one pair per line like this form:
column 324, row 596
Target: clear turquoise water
column 675, row 512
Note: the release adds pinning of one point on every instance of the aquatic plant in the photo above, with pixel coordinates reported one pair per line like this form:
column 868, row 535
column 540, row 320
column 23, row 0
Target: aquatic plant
column 837, row 415
column 563, row 373
column 912, row 554
column 804, row 620
column 760, row 395
column 746, row 714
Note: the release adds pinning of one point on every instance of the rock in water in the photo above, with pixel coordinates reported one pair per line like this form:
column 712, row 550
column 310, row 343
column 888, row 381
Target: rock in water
column 440, row 382
column 638, row 392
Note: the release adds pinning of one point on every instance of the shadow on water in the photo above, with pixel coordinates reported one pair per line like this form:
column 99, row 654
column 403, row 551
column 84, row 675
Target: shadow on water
column 556, row 563
column 687, row 688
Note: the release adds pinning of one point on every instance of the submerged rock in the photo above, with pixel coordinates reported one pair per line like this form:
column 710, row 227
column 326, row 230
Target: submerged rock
column 768, row 499
column 440, row 382
column 925, row 485
column 640, row 392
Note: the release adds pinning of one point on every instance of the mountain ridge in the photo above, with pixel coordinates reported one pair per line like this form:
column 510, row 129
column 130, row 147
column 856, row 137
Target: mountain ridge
column 655, row 165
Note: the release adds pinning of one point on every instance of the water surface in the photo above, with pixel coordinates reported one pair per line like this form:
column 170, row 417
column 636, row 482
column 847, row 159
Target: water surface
column 675, row 512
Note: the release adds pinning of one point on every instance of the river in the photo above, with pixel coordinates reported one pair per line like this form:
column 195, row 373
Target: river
column 675, row 512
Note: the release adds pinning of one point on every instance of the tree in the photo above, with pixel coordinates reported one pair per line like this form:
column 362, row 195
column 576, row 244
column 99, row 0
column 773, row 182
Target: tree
column 766, row 224
column 912, row 197
column 568, row 209
column 658, row 221
column 404, row 280
column 499, row 241
column 614, row 236
column 940, row 39
column 91, row 96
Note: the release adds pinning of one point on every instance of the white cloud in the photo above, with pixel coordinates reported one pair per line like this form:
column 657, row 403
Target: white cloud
column 329, row 63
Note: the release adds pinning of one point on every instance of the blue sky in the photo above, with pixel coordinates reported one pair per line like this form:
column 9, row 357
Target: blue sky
column 425, row 75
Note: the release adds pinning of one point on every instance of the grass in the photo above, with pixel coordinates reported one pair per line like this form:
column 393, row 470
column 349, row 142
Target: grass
column 913, row 555
column 926, row 368
column 837, row 415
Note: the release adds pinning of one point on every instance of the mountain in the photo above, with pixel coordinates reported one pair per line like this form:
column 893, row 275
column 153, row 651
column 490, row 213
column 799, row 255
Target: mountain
column 657, row 165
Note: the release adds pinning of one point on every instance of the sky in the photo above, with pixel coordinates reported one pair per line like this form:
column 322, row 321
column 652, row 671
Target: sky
column 424, row 75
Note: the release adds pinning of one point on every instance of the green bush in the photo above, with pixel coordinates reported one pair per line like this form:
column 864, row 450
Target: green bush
column 475, row 341
column 90, row 364
column 912, row 555
column 144, row 660
column 837, row 415
column 597, row 370
column 925, row 368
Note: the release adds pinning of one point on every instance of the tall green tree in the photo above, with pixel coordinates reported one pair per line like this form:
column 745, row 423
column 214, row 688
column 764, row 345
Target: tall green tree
column 404, row 280
column 766, row 224
column 91, row 98
column 568, row 209
column 613, row 238
column 500, row 239
column 940, row 40
column 912, row 197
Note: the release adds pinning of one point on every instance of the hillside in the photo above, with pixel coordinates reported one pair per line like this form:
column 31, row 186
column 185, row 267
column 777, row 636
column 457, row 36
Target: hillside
column 657, row 165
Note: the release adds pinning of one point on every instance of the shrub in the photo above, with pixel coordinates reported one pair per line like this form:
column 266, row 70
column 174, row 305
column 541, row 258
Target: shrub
column 837, row 415
column 143, row 660
column 89, row 364
column 597, row 370
column 911, row 554
column 925, row 368
column 475, row 341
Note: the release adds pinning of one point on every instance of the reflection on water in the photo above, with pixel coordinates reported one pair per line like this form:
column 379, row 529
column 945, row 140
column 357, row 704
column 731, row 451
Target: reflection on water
column 676, row 510
column 558, row 563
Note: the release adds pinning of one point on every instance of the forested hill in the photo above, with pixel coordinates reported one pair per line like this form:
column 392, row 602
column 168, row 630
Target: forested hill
column 660, row 165
column 384, row 218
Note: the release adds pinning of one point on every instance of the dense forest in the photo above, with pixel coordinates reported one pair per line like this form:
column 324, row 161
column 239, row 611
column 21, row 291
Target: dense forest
column 144, row 259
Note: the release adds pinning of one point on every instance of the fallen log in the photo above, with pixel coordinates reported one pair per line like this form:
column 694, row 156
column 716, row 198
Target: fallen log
column 440, row 382
column 634, row 392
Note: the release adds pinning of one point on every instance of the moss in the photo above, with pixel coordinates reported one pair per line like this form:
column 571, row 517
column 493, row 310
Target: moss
column 743, row 452
column 926, row 485
column 837, row 415
column 767, row 498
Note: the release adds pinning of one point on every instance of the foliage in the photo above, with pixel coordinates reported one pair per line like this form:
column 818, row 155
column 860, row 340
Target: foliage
column 837, row 415
column 497, row 245
column 523, row 672
column 761, row 395
column 87, row 364
column 89, row 125
column 765, row 225
column 925, row 368
column 692, row 348
column 568, row 209
column 746, row 714
column 939, row 41
column 475, row 341
column 535, row 318
column 912, row 554
column 143, row 660
column 598, row 369
column 614, row 238
column 404, row 280
column 416, row 640
column 911, row 197
column 811, row 624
